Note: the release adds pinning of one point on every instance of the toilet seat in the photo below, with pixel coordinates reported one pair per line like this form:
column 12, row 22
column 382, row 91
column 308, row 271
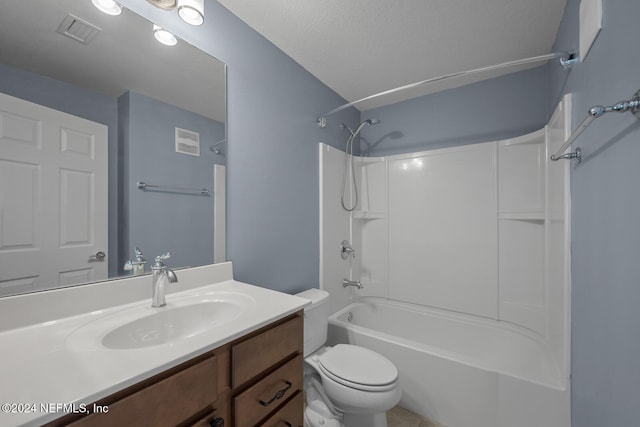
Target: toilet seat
column 358, row 368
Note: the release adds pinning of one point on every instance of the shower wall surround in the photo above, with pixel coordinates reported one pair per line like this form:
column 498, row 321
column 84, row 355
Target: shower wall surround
column 480, row 229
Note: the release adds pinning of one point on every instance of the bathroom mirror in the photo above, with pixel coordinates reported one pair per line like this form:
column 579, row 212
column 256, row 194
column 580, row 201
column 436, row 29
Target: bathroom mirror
column 159, row 110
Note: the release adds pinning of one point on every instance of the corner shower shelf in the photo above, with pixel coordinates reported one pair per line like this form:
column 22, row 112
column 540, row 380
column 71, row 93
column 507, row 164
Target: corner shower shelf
column 532, row 215
column 368, row 215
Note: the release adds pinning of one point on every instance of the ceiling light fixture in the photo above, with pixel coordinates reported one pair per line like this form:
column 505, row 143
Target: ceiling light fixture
column 164, row 36
column 164, row 4
column 109, row 7
column 191, row 11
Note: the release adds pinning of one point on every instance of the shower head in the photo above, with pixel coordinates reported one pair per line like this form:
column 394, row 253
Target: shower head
column 360, row 126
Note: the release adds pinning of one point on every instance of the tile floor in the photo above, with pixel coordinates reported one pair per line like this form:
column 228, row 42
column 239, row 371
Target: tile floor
column 400, row 417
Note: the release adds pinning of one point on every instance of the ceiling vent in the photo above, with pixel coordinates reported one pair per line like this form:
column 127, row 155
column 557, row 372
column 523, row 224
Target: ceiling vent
column 78, row 29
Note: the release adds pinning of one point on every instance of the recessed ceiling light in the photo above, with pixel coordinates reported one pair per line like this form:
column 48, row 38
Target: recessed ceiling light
column 164, row 36
column 109, row 7
column 164, row 4
column 191, row 11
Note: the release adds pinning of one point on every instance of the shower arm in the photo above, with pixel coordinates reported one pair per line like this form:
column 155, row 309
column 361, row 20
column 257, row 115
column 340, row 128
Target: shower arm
column 567, row 60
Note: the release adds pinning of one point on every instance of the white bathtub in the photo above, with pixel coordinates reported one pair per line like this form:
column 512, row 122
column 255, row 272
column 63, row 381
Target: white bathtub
column 459, row 370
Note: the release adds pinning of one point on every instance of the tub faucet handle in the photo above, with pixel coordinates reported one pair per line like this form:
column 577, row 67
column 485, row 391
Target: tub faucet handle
column 346, row 250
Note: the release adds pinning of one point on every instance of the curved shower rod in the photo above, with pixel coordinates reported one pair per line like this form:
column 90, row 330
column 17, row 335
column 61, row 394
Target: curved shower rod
column 567, row 59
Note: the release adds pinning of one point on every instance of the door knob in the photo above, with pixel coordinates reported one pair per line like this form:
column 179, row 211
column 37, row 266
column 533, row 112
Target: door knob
column 98, row 257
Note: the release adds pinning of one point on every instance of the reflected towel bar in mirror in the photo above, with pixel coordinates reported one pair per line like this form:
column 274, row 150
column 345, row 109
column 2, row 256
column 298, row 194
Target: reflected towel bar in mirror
column 178, row 190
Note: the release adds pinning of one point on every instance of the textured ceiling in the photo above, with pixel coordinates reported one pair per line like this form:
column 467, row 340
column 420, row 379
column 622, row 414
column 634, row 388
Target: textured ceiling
column 362, row 47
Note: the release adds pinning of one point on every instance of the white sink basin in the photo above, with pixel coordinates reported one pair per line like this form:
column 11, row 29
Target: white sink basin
column 141, row 326
column 170, row 324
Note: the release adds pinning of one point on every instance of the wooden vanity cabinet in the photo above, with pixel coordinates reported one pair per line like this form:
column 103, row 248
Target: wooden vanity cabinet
column 255, row 380
column 167, row 399
column 266, row 375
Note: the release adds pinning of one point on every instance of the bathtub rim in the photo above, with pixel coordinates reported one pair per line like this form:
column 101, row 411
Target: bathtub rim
column 561, row 382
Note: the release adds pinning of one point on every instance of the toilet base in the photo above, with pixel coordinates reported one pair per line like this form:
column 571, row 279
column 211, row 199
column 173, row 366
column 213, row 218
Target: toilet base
column 365, row 420
column 315, row 419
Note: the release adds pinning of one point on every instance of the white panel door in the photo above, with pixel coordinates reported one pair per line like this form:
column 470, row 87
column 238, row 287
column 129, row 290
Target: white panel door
column 53, row 197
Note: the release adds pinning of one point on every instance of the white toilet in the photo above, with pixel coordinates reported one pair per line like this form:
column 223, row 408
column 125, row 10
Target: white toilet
column 345, row 385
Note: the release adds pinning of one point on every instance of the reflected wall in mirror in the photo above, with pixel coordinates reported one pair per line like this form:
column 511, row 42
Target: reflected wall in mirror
column 90, row 105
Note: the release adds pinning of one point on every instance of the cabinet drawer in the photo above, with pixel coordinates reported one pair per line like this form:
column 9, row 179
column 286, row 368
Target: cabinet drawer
column 165, row 403
column 290, row 415
column 253, row 356
column 267, row 395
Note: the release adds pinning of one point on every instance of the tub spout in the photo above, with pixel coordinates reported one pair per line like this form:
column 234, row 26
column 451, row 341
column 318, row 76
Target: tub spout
column 355, row 283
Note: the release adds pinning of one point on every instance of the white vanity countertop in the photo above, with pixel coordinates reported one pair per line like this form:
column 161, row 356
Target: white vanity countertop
column 44, row 367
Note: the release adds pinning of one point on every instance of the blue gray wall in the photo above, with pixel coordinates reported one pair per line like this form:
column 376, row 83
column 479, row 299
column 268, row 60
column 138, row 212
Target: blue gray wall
column 272, row 152
column 606, row 209
column 79, row 102
column 273, row 180
column 500, row 108
column 158, row 222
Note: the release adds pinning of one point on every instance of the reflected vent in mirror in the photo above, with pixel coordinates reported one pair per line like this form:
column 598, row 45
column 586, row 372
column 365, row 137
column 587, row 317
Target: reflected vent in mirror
column 78, row 29
column 187, row 142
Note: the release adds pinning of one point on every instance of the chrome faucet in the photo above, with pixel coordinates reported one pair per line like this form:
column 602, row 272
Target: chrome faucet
column 346, row 250
column 161, row 277
column 355, row 283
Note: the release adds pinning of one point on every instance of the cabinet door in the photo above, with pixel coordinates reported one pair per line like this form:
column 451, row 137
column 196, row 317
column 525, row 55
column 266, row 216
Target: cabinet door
column 218, row 417
column 165, row 403
column 291, row 415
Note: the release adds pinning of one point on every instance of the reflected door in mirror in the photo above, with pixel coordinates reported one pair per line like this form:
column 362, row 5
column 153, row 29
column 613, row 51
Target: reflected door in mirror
column 53, row 197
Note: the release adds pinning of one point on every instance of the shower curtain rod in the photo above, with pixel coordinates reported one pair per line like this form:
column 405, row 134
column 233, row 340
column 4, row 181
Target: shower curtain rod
column 567, row 59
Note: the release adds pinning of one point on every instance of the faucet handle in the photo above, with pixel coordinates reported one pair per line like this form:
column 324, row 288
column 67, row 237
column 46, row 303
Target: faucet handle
column 138, row 254
column 162, row 257
column 159, row 264
column 346, row 250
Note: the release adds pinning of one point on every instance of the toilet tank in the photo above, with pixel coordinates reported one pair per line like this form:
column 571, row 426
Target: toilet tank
column 316, row 319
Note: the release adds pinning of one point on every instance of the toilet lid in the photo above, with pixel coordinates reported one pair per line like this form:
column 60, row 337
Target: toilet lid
column 358, row 366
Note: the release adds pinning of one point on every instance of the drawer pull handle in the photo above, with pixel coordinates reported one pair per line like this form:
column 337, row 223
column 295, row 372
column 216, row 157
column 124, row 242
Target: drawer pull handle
column 278, row 395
